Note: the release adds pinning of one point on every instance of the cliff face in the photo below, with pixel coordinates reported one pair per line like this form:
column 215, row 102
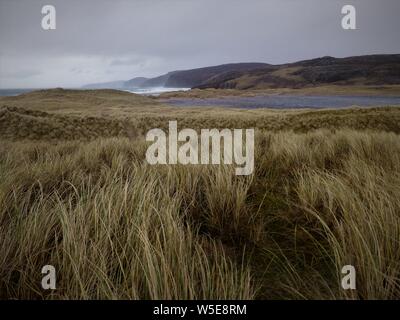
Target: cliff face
column 196, row 77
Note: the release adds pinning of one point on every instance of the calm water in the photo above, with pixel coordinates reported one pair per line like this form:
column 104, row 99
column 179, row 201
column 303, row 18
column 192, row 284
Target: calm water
column 287, row 101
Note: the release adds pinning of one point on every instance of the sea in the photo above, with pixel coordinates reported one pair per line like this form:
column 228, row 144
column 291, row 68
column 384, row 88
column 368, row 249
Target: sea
column 14, row 92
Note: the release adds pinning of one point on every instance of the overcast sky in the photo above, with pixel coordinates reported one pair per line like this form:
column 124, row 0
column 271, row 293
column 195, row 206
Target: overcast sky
column 106, row 40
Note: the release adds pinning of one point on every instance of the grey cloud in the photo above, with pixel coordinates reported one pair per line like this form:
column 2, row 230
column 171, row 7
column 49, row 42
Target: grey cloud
column 128, row 62
column 21, row 74
column 113, row 40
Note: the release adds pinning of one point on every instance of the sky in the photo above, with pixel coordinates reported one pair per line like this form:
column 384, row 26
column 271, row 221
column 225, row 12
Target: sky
column 108, row 40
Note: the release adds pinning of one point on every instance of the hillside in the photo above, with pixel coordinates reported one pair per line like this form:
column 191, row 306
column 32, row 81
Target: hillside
column 179, row 79
column 362, row 70
column 196, row 77
column 79, row 114
column 105, row 85
column 104, row 102
column 135, row 82
column 371, row 70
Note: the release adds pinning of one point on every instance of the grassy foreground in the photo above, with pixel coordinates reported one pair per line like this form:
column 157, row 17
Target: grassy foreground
column 325, row 193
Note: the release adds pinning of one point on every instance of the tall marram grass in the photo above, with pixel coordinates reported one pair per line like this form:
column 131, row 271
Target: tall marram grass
column 115, row 227
column 358, row 212
column 110, row 226
column 344, row 199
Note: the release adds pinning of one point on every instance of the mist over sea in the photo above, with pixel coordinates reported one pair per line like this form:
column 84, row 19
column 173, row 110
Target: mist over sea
column 155, row 91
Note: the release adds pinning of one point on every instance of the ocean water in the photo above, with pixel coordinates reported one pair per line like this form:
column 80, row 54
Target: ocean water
column 14, row 92
column 288, row 101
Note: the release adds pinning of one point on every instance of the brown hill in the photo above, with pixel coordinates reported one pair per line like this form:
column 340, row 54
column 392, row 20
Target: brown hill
column 361, row 70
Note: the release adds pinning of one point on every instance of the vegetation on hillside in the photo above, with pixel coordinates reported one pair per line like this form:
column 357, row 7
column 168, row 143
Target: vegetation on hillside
column 360, row 70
